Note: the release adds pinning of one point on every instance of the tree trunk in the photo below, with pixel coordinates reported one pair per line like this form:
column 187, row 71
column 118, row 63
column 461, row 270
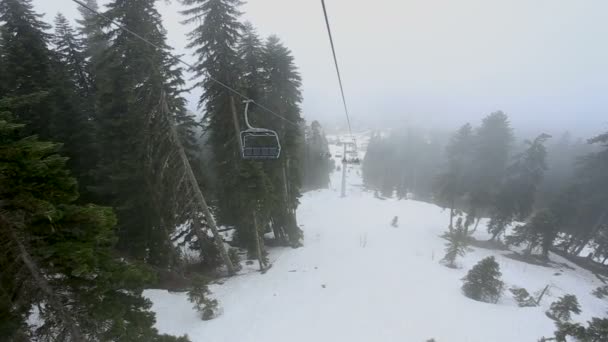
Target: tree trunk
column 235, row 122
column 476, row 224
column 542, row 294
column 198, row 194
column 451, row 227
column 258, row 245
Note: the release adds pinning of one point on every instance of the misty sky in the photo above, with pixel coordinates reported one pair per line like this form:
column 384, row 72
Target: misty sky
column 437, row 62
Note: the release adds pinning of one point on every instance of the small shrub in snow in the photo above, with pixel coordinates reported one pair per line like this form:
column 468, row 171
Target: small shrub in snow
column 456, row 246
column 601, row 292
column 233, row 254
column 483, row 282
column 395, row 222
column 200, row 295
column 522, row 297
column 596, row 331
column 561, row 309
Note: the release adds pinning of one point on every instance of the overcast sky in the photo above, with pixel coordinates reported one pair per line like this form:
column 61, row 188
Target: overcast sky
column 438, row 62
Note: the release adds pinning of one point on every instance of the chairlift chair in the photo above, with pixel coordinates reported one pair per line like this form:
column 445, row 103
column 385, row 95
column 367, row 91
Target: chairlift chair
column 259, row 143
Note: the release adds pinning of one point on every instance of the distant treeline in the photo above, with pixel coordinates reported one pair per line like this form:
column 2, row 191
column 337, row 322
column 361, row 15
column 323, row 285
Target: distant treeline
column 557, row 186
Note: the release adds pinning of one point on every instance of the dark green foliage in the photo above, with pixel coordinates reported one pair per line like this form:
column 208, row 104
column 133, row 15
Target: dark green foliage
column 491, row 156
column 282, row 83
column 199, row 295
column 456, row 245
column 58, row 255
column 90, row 28
column 455, row 181
column 214, row 41
column 539, row 231
column 522, row 297
column 562, row 309
column 601, row 292
column 518, row 191
column 136, row 172
column 483, row 282
column 27, row 63
column 596, row 331
column 72, row 95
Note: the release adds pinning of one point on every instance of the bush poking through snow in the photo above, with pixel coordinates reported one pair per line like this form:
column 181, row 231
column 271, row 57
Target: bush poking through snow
column 233, row 254
column 596, row 331
column 560, row 310
column 601, row 292
column 201, row 297
column 456, row 246
column 395, row 222
column 483, row 282
column 522, row 297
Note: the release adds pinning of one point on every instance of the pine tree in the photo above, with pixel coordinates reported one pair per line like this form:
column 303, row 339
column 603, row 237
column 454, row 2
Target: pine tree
column 454, row 182
column 214, row 41
column 456, row 245
column 199, row 294
column 283, row 95
column 517, row 195
column 540, row 231
column 3, row 80
column 90, row 28
column 562, row 309
column 27, row 62
column 57, row 256
column 317, row 164
column 522, row 297
column 72, row 96
column 483, row 282
column 136, row 173
column 491, row 154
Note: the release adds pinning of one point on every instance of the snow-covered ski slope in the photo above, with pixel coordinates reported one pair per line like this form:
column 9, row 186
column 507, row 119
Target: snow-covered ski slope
column 357, row 278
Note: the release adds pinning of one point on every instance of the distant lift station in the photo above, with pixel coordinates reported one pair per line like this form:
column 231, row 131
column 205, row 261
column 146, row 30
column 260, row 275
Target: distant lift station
column 259, row 143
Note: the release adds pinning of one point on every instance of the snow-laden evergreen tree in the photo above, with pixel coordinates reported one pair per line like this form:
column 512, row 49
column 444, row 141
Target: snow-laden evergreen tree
column 539, row 231
column 522, row 297
column 455, row 182
column 562, row 309
column 57, row 256
column 483, row 282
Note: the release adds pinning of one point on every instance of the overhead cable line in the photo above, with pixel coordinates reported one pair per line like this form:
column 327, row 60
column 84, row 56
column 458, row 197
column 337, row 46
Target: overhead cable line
column 333, row 50
column 135, row 34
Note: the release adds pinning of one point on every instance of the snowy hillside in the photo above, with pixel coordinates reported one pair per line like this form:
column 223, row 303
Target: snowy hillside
column 357, row 278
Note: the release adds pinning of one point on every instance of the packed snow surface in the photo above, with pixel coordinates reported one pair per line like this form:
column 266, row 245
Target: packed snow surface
column 357, row 278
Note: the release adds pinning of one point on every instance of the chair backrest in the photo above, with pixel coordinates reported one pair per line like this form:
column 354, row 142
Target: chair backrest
column 260, row 144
